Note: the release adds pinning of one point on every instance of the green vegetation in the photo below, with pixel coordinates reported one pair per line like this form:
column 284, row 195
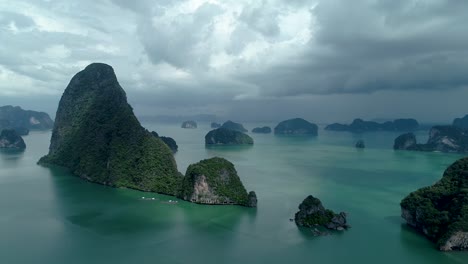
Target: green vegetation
column 262, row 130
column 97, row 136
column 222, row 136
column 233, row 126
column 442, row 209
column 224, row 185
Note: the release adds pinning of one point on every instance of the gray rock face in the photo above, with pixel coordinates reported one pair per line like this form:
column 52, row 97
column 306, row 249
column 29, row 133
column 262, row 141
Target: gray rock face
column 441, row 138
column 9, row 139
column 457, row 241
column 312, row 213
column 189, row 124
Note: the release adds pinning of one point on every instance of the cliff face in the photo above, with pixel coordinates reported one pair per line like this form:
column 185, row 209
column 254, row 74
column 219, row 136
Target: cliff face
column 441, row 138
column 215, row 181
column 98, row 137
column 296, row 126
column 441, row 211
column 9, row 139
column 222, row 136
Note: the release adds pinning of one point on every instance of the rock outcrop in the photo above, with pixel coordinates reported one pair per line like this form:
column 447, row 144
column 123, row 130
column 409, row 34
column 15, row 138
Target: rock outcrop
column 222, row 136
column 461, row 122
column 440, row 211
column 10, row 139
column 170, row 142
column 14, row 117
column 312, row 214
column 215, row 125
column 189, row 124
column 296, row 126
column 360, row 144
column 441, row 138
column 97, row 136
column 262, row 130
column 215, row 181
column 358, row 125
column 234, row 126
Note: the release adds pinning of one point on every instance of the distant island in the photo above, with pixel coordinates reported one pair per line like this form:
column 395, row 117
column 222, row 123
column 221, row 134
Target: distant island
column 296, row 126
column 441, row 138
column 97, row 136
column 10, row 139
column 14, row 117
column 360, row 144
column 440, row 211
column 189, row 124
column 262, row 130
column 215, row 181
column 461, row 123
column 359, row 125
column 234, row 126
column 215, row 125
column 170, row 142
column 223, row 136
column 313, row 214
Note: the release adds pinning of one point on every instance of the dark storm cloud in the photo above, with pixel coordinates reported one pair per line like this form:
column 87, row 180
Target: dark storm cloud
column 366, row 46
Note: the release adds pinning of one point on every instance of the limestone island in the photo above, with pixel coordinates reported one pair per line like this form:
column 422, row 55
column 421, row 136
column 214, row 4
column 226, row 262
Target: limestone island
column 215, row 181
column 170, row 142
column 441, row 138
column 262, row 130
column 97, row 136
column 461, row 122
column 313, row 214
column 234, row 126
column 360, row 144
column 358, row 125
column 222, row 136
column 14, row 117
column 296, row 126
column 10, row 139
column 189, row 124
column 440, row 211
column 215, row 125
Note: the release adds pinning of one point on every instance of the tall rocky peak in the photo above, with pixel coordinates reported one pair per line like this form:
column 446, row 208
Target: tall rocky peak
column 98, row 137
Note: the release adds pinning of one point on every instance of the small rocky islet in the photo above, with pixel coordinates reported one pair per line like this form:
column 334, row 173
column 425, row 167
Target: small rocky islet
column 262, row 130
column 10, row 139
column 189, row 124
column 313, row 214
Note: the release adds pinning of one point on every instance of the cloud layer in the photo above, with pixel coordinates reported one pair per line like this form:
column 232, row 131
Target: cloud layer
column 216, row 56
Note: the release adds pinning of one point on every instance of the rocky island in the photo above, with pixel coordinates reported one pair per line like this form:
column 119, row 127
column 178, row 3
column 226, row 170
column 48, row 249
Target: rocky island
column 189, row 124
column 14, row 117
column 222, row 136
column 97, row 136
column 441, row 138
column 262, row 130
column 313, row 214
column 215, row 125
column 296, row 126
column 234, row 126
column 215, row 181
column 360, row 144
column 440, row 211
column 461, row 122
column 358, row 125
column 10, row 139
column 170, row 142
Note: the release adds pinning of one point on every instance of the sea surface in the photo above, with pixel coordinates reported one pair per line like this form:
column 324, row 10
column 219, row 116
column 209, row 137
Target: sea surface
column 50, row 216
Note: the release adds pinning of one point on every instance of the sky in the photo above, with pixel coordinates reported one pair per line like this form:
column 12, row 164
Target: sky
column 247, row 60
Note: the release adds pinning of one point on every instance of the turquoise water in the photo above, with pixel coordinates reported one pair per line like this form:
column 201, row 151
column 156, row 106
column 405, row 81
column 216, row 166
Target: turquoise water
column 49, row 216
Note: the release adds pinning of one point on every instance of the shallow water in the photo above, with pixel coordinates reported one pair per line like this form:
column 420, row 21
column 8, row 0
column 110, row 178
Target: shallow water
column 50, row 216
